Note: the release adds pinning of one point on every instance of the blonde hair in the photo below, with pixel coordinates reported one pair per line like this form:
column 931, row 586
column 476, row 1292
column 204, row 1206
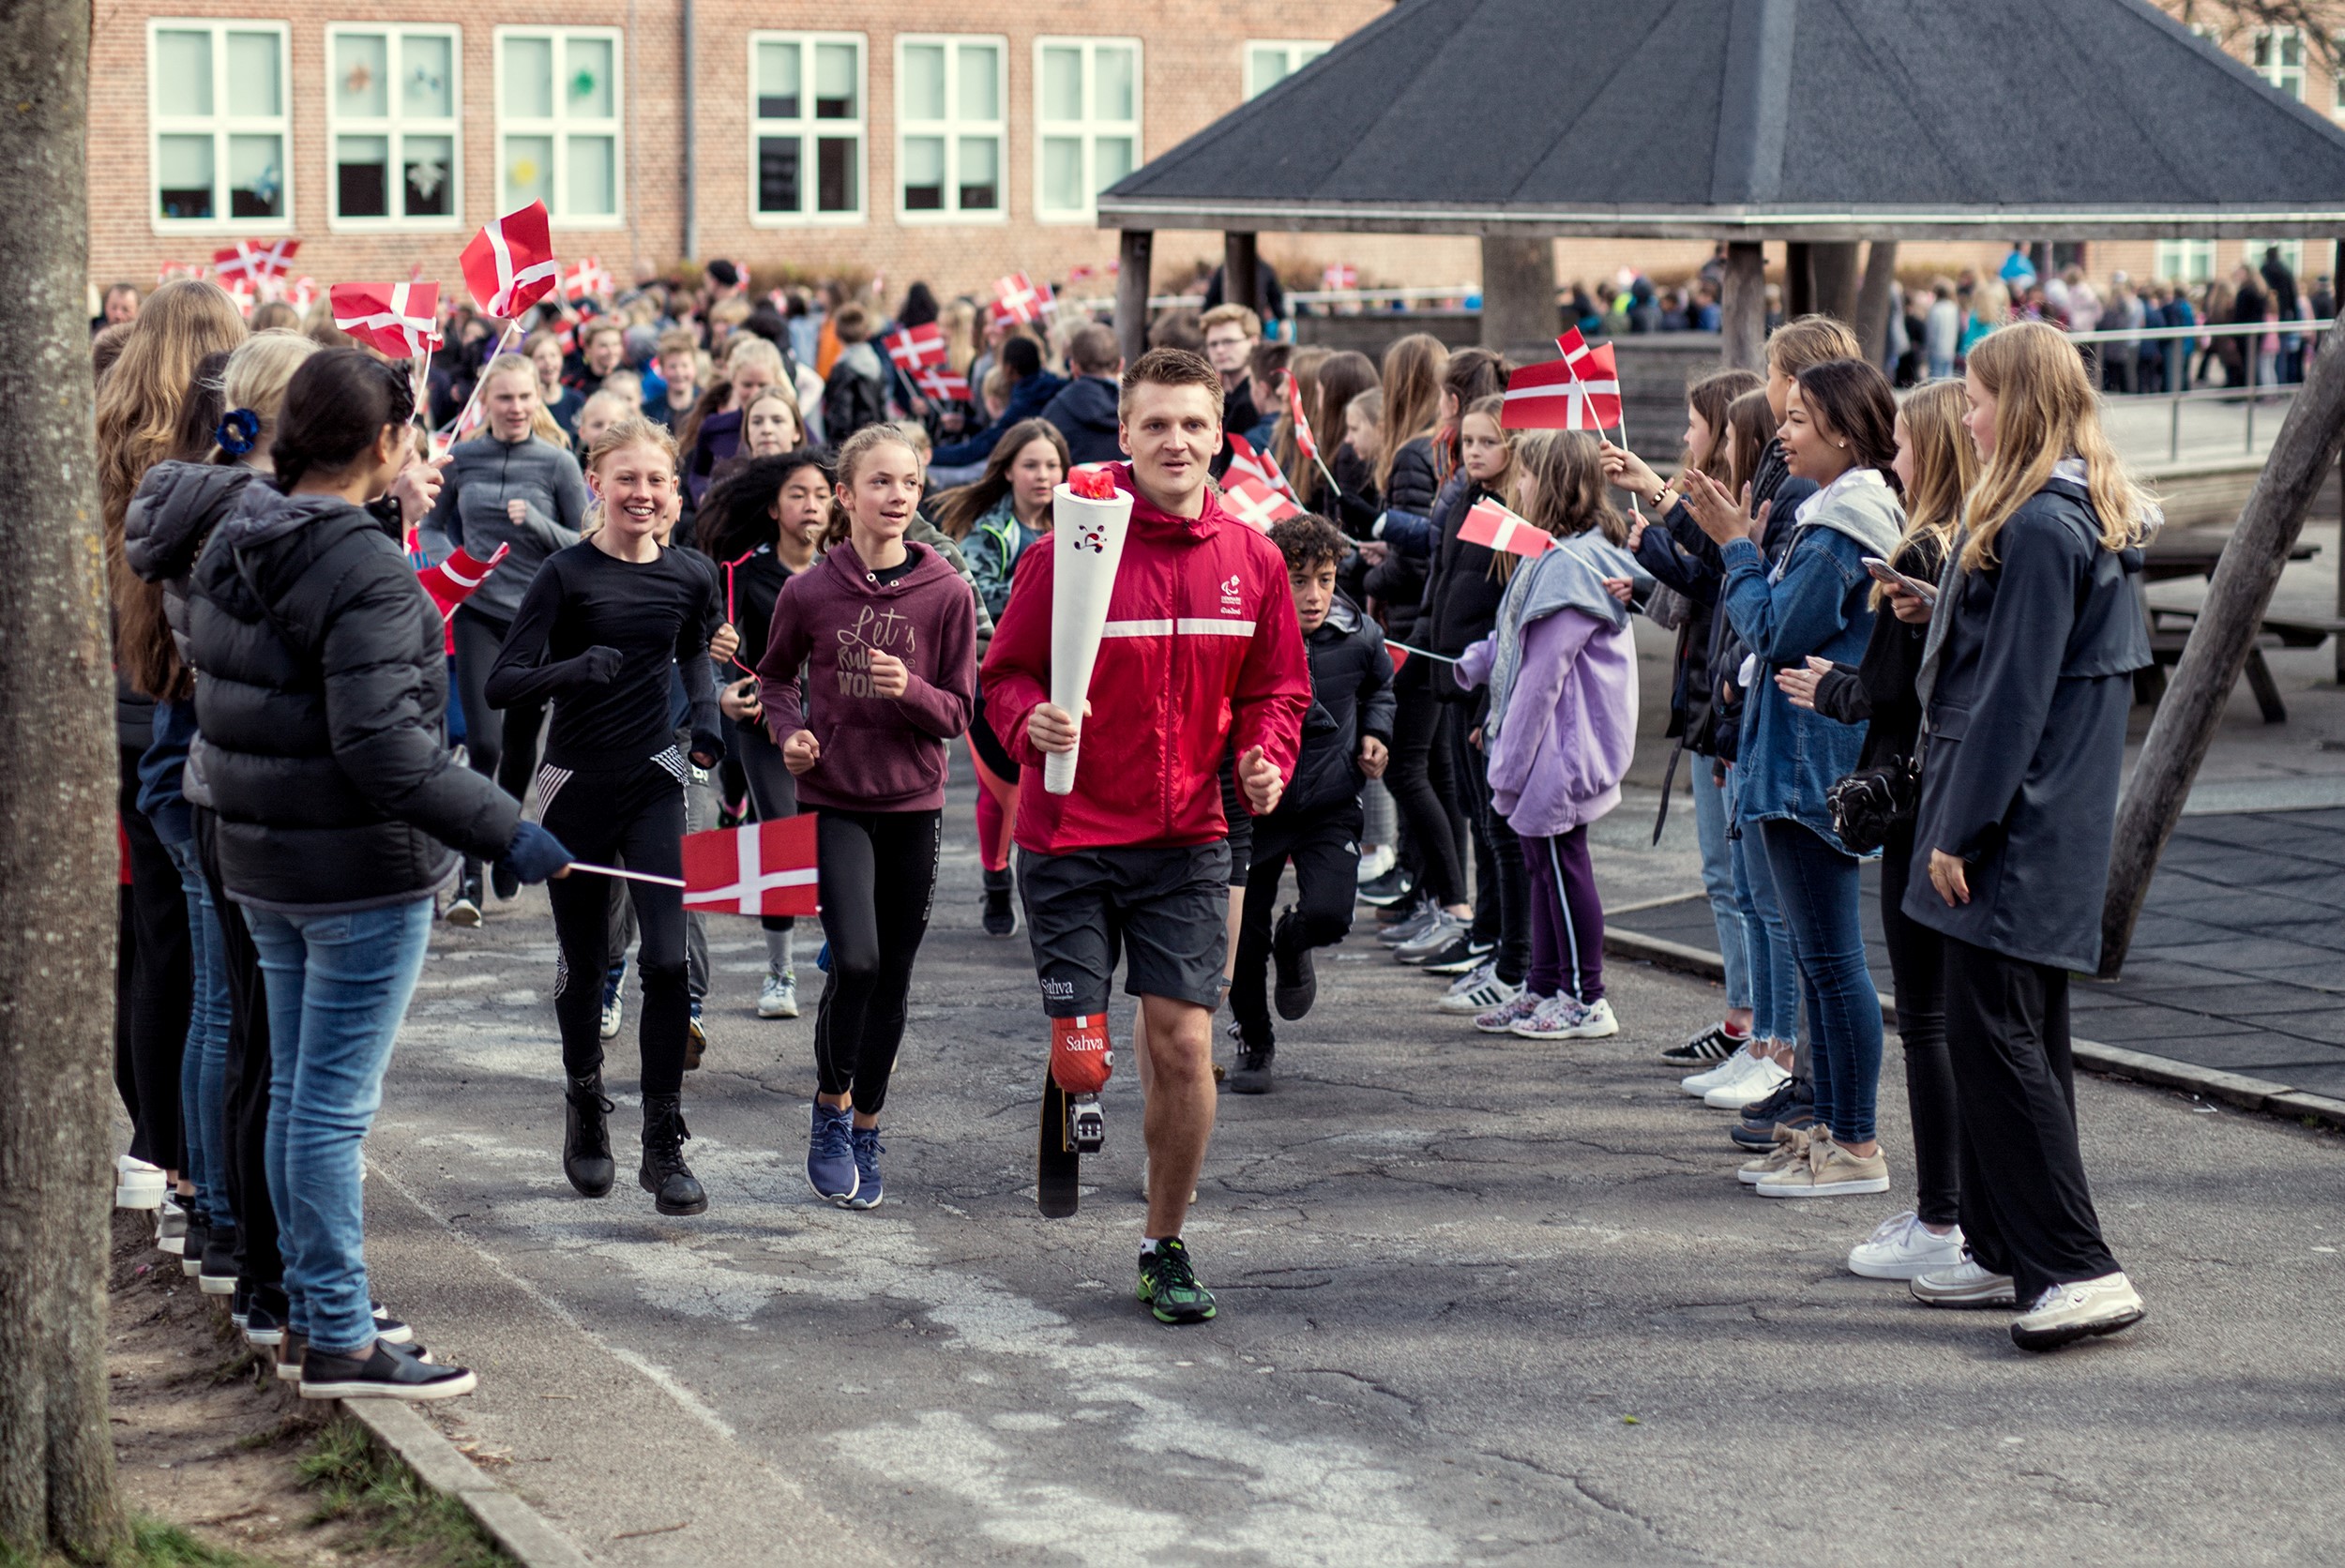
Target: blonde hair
column 747, row 348
column 1224, row 315
column 1805, row 342
column 1413, row 368
column 256, row 377
column 1945, row 465
column 960, row 321
column 1502, row 484
column 846, row 463
column 631, row 430
column 778, row 393
column 2045, row 410
column 541, row 423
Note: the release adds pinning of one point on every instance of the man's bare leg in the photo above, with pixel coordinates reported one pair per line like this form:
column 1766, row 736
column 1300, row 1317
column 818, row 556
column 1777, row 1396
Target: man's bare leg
column 1179, row 1118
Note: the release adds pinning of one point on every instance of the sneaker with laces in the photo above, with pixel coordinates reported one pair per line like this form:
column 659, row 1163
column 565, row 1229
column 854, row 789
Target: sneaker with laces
column 869, row 1189
column 1461, row 957
column 1713, row 1043
column 137, row 1183
column 1478, row 993
column 1831, row 1171
column 1375, row 866
column 387, row 1372
column 1000, row 914
column 1758, row 1079
column 778, row 998
column 1902, row 1247
column 1700, row 1083
column 695, row 1041
column 1250, row 1074
column 1171, row 1287
column 1968, row 1283
column 2067, row 1313
column 1502, row 1019
column 614, row 1001
column 1791, row 1147
column 830, row 1168
column 1566, row 1018
column 1442, row 934
column 1412, row 926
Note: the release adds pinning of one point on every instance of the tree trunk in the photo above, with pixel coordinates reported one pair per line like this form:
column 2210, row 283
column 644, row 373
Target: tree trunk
column 1872, row 299
column 59, row 860
column 2228, row 623
column 1134, row 251
column 1742, row 309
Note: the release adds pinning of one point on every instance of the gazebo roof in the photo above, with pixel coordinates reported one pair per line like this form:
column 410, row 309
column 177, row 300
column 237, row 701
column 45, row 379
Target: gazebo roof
column 1746, row 119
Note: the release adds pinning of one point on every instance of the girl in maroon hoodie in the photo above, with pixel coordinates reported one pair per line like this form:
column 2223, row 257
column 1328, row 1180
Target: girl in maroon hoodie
column 885, row 636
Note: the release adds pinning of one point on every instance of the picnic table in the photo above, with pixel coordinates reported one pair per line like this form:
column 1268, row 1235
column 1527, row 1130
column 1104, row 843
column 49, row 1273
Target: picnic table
column 2176, row 559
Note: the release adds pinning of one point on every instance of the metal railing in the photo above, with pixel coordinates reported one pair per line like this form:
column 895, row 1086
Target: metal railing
column 2249, row 393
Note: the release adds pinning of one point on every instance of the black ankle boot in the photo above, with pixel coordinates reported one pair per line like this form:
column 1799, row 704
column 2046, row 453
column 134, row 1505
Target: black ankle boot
column 1001, row 908
column 586, row 1136
column 1251, row 1075
column 663, row 1173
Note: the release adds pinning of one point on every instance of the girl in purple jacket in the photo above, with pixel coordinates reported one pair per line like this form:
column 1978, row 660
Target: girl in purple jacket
column 1562, row 670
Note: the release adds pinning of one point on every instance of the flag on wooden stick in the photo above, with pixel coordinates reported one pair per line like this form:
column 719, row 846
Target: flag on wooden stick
column 758, row 869
column 510, row 264
column 1494, row 527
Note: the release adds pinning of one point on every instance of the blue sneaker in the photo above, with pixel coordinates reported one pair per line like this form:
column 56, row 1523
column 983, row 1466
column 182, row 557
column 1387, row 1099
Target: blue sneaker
column 613, row 1008
column 830, row 1155
column 868, row 1149
column 822, row 959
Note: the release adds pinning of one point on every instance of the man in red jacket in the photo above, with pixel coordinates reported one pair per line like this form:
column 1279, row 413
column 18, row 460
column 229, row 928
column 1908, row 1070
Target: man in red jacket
column 1201, row 640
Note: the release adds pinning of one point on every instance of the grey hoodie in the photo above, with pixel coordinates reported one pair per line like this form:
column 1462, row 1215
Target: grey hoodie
column 483, row 475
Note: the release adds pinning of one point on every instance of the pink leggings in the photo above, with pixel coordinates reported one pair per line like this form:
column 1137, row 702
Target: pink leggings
column 997, row 813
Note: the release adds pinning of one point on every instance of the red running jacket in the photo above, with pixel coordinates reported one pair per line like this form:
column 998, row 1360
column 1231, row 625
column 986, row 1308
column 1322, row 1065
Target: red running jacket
column 1201, row 640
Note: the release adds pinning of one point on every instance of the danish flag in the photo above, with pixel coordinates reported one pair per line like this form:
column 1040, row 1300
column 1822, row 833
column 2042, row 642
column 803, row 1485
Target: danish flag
column 1020, row 300
column 1306, row 444
column 1565, row 396
column 240, row 290
column 759, row 868
column 1339, row 277
column 510, row 264
column 179, row 269
column 946, row 386
column 452, row 582
column 301, row 293
column 1257, row 503
column 587, row 277
column 1247, row 463
column 253, row 262
column 399, row 319
column 1493, row 526
column 916, row 348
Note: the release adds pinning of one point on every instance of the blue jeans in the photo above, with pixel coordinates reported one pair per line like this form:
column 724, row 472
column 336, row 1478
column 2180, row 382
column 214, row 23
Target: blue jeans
column 1718, row 879
column 337, row 988
column 1816, row 884
column 1774, row 970
column 204, row 1066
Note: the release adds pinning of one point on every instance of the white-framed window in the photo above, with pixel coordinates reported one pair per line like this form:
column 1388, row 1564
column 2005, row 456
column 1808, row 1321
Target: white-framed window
column 558, row 123
column 220, row 123
column 2186, row 261
column 392, row 121
column 2292, row 254
column 952, row 128
column 1271, row 61
column 2279, row 59
column 1087, row 122
column 806, row 128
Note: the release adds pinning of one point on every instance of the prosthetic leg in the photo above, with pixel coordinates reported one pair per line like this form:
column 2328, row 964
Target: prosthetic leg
column 1073, row 1122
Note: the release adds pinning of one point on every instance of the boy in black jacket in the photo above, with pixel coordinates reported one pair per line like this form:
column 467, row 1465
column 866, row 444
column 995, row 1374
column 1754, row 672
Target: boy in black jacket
column 1346, row 737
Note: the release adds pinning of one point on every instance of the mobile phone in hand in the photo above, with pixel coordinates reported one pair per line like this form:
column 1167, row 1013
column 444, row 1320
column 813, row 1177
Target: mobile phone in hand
column 1890, row 577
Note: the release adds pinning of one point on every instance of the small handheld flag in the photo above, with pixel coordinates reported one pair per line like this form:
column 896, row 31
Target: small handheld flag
column 510, row 264
column 1246, row 463
column 758, row 869
column 1562, row 397
column 915, row 348
column 399, row 319
column 1257, row 503
column 452, row 582
column 1494, row 527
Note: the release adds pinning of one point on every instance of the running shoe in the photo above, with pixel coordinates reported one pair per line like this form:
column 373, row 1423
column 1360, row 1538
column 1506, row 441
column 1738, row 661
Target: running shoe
column 1758, row 1080
column 2066, row 1313
column 695, row 1040
column 1389, row 889
column 462, row 911
column 1446, row 931
column 1171, row 1288
column 1502, row 1019
column 868, row 1189
column 1968, row 1283
column 830, row 1168
column 1713, row 1043
column 1463, row 956
column 778, row 998
column 614, row 1001
column 1566, row 1018
column 1001, row 906
column 1477, row 992
column 1411, row 928
column 1903, row 1247
column 137, row 1183
column 1376, row 865
column 1298, row 985
column 1251, row 1075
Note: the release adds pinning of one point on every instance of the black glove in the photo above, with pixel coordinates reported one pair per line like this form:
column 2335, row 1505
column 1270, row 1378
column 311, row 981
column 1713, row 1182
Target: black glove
column 600, row 665
column 708, row 747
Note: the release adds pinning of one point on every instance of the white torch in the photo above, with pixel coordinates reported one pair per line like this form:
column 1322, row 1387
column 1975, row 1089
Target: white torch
column 1087, row 537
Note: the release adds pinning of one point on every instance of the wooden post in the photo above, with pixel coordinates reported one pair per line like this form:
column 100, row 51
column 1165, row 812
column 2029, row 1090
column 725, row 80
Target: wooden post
column 1872, row 300
column 2241, row 590
column 1799, row 279
column 1239, row 282
column 1833, row 265
column 1519, row 296
column 1742, row 309
column 1133, row 250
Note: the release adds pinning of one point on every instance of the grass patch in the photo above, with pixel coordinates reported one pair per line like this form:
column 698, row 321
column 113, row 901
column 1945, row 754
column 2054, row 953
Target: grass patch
column 153, row 1544
column 383, row 1498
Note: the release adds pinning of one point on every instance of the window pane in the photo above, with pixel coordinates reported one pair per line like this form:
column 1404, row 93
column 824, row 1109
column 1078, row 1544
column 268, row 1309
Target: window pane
column 834, row 81
column 980, row 174
column 253, row 87
column 256, row 177
column 923, row 85
column 1062, row 84
column 835, row 188
column 361, row 76
column 1063, row 174
column 594, row 177
column 529, row 79
column 428, row 88
column 586, row 71
column 778, row 82
column 778, row 174
column 183, row 177
column 362, row 176
column 980, row 81
column 183, row 73
column 1112, row 92
column 1112, row 159
column 426, row 168
column 528, row 171
column 924, row 173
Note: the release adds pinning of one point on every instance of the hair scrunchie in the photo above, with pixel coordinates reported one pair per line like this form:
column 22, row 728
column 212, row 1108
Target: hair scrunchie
column 238, row 432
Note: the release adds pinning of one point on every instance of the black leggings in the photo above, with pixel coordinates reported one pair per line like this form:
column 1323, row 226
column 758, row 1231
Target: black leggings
column 1429, row 824
column 154, row 983
column 244, row 1170
column 502, row 743
column 878, row 881
column 1324, row 847
column 773, row 790
column 1502, row 883
column 633, row 816
column 1917, row 962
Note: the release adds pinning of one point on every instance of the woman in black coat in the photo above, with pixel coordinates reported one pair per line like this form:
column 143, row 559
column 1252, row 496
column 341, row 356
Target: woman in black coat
column 2025, row 683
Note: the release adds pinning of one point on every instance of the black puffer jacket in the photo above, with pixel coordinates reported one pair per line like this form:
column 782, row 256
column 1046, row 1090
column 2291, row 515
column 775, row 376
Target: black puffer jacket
column 1351, row 697
column 1398, row 583
column 1462, row 596
column 325, row 680
column 177, row 506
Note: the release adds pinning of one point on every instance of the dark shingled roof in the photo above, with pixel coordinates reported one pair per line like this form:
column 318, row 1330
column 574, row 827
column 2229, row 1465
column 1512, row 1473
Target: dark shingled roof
column 1800, row 119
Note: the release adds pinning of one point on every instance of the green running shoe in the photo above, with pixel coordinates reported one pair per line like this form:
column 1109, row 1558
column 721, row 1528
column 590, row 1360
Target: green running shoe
column 1171, row 1287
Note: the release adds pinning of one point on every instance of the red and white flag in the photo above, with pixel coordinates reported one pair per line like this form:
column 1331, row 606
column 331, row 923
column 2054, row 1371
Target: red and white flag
column 452, row 582
column 1247, row 463
column 587, row 279
column 252, row 262
column 240, row 290
column 1020, row 300
column 946, row 386
column 915, row 348
column 510, row 264
column 1306, row 444
column 1496, row 528
column 302, row 292
column 1561, row 396
column 1081, row 272
column 1256, row 502
column 759, row 868
column 178, row 269
column 1339, row 277
column 399, row 319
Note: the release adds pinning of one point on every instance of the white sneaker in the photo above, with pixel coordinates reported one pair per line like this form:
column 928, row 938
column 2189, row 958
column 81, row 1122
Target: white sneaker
column 1969, row 1283
column 1905, row 1249
column 1708, row 1078
column 1760, row 1080
column 1565, row 1017
column 778, row 998
column 2066, row 1313
column 1478, row 992
column 1378, row 861
column 137, row 1183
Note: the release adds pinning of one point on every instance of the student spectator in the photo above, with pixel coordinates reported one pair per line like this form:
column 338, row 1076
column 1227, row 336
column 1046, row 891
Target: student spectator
column 1231, row 332
column 1265, row 389
column 679, row 365
column 712, row 434
column 1085, row 409
column 1031, row 390
column 601, row 348
column 854, row 390
column 1341, row 379
column 562, row 403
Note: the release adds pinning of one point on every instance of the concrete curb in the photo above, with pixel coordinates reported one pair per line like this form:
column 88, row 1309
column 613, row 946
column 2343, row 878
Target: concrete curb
column 516, row 1527
column 2249, row 1093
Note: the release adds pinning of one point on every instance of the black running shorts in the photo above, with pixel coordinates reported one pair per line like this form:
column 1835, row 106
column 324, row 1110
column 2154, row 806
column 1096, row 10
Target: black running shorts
column 1167, row 909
